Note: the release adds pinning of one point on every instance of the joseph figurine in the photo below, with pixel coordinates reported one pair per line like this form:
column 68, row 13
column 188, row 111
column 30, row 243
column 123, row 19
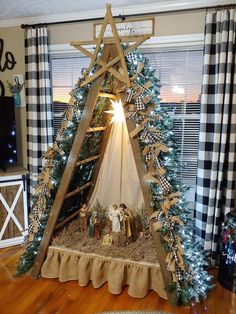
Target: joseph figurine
column 129, row 224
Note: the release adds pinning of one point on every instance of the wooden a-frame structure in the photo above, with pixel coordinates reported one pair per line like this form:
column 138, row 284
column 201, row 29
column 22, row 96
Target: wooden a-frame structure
column 111, row 60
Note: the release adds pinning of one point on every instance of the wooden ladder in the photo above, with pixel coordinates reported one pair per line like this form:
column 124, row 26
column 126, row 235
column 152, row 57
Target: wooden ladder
column 73, row 162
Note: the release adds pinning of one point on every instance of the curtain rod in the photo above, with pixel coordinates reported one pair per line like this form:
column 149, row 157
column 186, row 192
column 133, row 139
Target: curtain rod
column 123, row 17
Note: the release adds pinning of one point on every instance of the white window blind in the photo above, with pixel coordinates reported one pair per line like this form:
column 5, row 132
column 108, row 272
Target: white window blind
column 180, row 73
column 65, row 72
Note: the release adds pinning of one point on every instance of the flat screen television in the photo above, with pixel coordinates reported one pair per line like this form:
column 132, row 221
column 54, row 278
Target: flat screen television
column 8, row 155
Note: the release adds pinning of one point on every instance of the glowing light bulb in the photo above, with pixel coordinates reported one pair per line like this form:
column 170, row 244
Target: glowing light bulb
column 117, row 112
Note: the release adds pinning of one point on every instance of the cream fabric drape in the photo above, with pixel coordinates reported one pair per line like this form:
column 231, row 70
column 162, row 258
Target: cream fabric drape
column 118, row 179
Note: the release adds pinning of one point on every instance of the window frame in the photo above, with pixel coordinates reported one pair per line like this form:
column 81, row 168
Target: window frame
column 154, row 44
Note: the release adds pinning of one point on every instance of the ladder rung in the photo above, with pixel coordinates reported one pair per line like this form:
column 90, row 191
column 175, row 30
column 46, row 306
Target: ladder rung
column 85, row 161
column 96, row 129
column 67, row 219
column 79, row 189
column 107, row 95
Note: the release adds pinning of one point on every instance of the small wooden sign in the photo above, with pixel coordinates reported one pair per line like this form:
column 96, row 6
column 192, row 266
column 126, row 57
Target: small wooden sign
column 129, row 28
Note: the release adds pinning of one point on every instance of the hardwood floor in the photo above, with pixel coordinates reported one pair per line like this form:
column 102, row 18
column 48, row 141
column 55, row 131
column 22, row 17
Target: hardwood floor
column 48, row 296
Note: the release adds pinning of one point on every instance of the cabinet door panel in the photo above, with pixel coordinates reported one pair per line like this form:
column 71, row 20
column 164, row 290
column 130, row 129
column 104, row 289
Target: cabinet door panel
column 13, row 209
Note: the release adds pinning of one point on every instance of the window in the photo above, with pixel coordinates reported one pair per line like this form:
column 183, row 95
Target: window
column 66, row 70
column 180, row 73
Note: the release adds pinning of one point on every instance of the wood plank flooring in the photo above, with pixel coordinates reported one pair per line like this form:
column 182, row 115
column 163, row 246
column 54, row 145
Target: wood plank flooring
column 48, row 296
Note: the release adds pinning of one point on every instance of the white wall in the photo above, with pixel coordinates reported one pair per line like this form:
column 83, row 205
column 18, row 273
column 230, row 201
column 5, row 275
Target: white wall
column 171, row 24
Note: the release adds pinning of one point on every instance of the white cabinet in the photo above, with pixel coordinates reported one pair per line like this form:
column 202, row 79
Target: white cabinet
column 13, row 207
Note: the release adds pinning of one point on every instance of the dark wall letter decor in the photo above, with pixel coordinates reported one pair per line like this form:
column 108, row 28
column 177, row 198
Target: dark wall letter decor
column 7, row 62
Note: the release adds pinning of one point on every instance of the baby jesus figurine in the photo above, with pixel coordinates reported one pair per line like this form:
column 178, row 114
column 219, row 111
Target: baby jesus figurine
column 83, row 217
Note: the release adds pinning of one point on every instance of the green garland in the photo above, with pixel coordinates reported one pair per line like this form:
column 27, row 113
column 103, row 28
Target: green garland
column 56, row 158
column 172, row 218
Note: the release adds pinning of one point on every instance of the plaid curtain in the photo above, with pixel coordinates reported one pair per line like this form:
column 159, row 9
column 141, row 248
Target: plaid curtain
column 216, row 159
column 38, row 99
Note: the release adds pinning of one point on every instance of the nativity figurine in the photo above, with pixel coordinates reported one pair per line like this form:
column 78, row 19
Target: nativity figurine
column 107, row 240
column 96, row 229
column 129, row 224
column 94, row 226
column 115, row 215
column 83, row 213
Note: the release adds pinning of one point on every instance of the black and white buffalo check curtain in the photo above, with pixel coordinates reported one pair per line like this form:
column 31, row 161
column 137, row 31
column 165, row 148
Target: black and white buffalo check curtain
column 216, row 160
column 38, row 99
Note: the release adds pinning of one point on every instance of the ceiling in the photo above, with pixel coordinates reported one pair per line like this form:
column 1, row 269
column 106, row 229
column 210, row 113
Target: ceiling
column 16, row 12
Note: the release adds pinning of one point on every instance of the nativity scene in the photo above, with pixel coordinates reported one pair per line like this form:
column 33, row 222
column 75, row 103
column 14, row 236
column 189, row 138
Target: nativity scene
column 109, row 206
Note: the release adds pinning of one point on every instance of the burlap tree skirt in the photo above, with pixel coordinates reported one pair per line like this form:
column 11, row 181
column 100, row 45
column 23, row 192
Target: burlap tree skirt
column 75, row 256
